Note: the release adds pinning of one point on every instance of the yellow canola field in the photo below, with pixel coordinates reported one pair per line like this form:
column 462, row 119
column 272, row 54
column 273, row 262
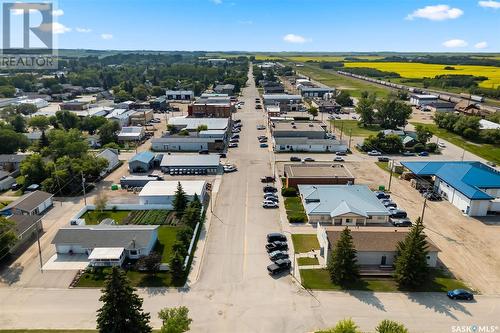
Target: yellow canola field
column 418, row 70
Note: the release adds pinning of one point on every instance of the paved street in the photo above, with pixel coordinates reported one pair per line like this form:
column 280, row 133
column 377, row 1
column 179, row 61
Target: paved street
column 233, row 292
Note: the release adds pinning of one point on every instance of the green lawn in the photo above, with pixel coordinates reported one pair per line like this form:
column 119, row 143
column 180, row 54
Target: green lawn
column 95, row 217
column 166, row 238
column 48, row 331
column 487, row 151
column 320, row 279
column 4, row 203
column 383, row 165
column 294, row 210
column 137, row 279
column 303, row 243
column 348, row 125
column 305, row 261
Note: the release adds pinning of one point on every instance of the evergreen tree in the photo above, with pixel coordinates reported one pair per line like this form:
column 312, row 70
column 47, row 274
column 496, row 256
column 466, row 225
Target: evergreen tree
column 180, row 200
column 411, row 268
column 176, row 267
column 122, row 308
column 342, row 263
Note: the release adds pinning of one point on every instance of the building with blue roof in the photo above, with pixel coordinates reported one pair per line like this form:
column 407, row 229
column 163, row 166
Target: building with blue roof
column 141, row 162
column 342, row 205
column 473, row 187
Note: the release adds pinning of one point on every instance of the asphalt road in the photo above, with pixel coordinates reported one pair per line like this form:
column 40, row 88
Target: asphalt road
column 234, row 292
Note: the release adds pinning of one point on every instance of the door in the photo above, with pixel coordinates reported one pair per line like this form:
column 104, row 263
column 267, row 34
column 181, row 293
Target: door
column 383, row 261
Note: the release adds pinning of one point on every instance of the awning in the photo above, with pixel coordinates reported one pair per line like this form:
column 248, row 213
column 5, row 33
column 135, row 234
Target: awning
column 106, row 253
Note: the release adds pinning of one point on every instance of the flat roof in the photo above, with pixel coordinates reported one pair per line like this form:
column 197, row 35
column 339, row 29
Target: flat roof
column 305, row 141
column 317, row 170
column 281, row 97
column 375, row 241
column 193, row 123
column 420, row 96
column 169, row 187
column 187, row 160
column 106, row 253
column 298, row 126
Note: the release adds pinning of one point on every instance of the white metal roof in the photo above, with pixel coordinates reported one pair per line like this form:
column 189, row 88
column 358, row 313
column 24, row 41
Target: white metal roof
column 168, row 188
column 190, row 160
column 106, row 253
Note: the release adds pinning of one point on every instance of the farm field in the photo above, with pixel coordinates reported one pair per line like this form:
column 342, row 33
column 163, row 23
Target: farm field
column 417, row 70
column 330, row 58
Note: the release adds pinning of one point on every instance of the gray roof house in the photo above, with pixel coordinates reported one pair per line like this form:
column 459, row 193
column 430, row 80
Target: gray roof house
column 11, row 162
column 107, row 245
column 110, row 155
column 342, row 205
column 32, row 203
column 25, row 227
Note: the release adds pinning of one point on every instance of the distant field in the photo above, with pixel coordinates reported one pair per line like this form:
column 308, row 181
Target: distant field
column 267, row 57
column 417, row 70
column 329, row 58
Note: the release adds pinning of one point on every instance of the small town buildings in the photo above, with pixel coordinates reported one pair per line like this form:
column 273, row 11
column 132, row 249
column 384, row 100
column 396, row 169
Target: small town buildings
column 122, row 116
column 423, row 100
column 179, row 95
column 285, row 102
column 326, row 105
column 110, row 155
column 33, row 136
column 317, row 174
column 217, row 61
column 74, row 105
column 163, row 192
column 32, row 203
column 304, row 144
column 131, row 133
column 488, row 125
column 107, row 245
column 37, row 102
column 159, row 104
column 273, row 111
column 203, row 164
column 220, row 107
column 141, row 162
column 472, row 187
column 6, row 180
column 224, row 89
column 440, row 107
column 310, row 130
column 127, row 105
column 342, row 205
column 141, row 117
column 375, row 249
column 274, row 89
column 312, row 92
column 192, row 124
column 26, row 228
column 11, row 162
column 134, row 181
column 212, row 140
column 471, row 109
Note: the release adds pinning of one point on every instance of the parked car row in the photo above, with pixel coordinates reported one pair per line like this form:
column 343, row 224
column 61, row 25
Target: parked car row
column 277, row 249
column 235, row 137
column 398, row 217
column 270, row 197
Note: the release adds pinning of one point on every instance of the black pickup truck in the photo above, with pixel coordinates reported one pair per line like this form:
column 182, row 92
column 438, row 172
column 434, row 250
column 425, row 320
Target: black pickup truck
column 279, row 266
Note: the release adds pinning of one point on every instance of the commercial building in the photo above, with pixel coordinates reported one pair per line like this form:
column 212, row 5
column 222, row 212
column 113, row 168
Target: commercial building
column 317, row 174
column 159, row 104
column 326, row 105
column 312, row 92
column 205, row 164
column 274, row 89
column 303, row 144
column 131, row 133
column 423, row 100
column 32, row 203
column 163, row 192
column 296, row 129
column 347, row 205
column 141, row 117
column 469, row 108
column 273, row 111
column 212, row 107
column 488, row 125
column 179, row 95
column 213, row 140
column 141, row 162
column 137, row 181
column 107, row 245
column 374, row 249
column 192, row 124
column 472, row 187
column 224, row 89
column 285, row 102
column 122, row 116
column 37, row 102
column 440, row 107
column 74, row 105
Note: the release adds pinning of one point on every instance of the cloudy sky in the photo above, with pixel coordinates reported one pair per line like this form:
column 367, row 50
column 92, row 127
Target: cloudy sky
column 279, row 25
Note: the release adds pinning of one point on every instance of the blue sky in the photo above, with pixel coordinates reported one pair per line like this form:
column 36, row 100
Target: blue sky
column 280, row 25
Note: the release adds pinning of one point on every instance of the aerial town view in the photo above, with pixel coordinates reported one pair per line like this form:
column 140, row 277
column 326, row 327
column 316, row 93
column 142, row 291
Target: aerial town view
column 250, row 166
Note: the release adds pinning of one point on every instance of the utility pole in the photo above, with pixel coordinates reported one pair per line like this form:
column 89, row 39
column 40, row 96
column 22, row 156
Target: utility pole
column 39, row 248
column 350, row 136
column 390, row 177
column 83, row 187
column 341, row 130
column 423, row 209
column 463, row 154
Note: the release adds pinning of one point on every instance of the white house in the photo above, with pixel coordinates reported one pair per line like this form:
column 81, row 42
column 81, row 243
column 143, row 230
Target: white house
column 423, row 100
column 163, row 192
column 32, row 203
column 111, row 155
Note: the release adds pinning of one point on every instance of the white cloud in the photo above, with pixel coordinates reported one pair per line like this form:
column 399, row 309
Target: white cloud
column 436, row 13
column 452, row 43
column 83, row 29
column 217, row 2
column 55, row 27
column 58, row 12
column 481, row 45
column 107, row 36
column 489, row 4
column 297, row 39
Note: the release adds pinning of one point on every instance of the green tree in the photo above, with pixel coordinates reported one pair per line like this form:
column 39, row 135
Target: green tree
column 12, row 141
column 67, row 119
column 67, row 143
column 26, row 108
column 389, row 326
column 108, row 132
column 91, row 124
column 343, row 326
column 191, row 216
column 150, row 262
column 392, row 113
column 122, row 307
column 140, row 92
column 157, row 91
column 34, row 169
column 180, row 200
column 8, row 236
column 176, row 266
column 411, row 269
column 39, row 122
column 18, row 123
column 344, row 98
column 175, row 320
column 313, row 112
column 7, row 91
column 365, row 108
column 100, row 202
column 424, row 134
column 342, row 263
column 122, row 96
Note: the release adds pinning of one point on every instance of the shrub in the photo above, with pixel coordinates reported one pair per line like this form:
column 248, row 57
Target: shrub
column 431, row 147
column 297, row 217
column 289, row 192
column 389, row 326
column 419, row 148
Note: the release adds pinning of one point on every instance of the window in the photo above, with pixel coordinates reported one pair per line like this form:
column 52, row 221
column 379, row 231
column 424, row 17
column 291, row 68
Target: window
column 133, row 252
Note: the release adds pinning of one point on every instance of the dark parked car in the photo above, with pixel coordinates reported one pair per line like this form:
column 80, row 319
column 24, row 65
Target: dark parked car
column 203, row 152
column 295, row 159
column 341, row 153
column 222, row 155
column 280, row 266
column 276, row 255
column 235, row 136
column 271, row 189
column 398, row 214
column 237, row 121
column 382, row 195
column 432, row 196
column 276, row 246
column 275, row 236
column 389, row 203
column 424, row 153
column 268, row 179
column 460, row 294
column 15, row 186
column 383, row 159
column 401, row 223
